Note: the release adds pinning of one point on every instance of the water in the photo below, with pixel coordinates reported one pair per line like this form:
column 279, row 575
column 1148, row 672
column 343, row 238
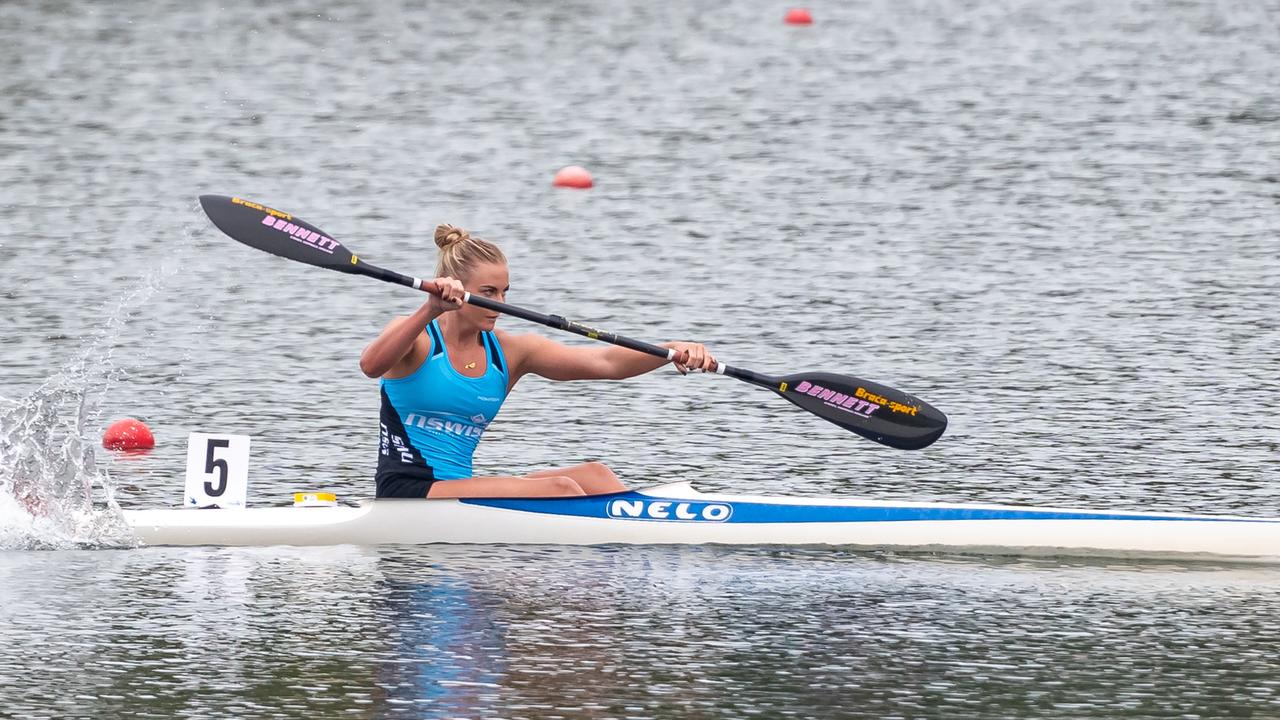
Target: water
column 1055, row 222
column 546, row 632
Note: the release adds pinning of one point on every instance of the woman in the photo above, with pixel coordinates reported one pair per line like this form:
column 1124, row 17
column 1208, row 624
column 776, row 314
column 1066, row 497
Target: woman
column 445, row 371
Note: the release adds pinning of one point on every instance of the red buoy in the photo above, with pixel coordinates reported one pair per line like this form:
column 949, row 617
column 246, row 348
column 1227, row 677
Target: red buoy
column 573, row 177
column 799, row 16
column 128, row 434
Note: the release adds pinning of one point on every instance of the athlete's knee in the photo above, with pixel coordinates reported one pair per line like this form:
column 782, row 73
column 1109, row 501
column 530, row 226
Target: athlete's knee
column 562, row 485
column 599, row 470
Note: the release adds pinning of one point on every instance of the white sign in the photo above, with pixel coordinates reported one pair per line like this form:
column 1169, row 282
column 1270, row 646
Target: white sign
column 217, row 470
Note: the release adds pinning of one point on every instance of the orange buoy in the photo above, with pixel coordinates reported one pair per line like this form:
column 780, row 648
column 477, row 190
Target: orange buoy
column 128, row 434
column 573, row 177
column 799, row 16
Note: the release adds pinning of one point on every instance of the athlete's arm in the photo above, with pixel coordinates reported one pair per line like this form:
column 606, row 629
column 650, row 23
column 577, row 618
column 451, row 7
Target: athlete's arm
column 395, row 344
column 541, row 356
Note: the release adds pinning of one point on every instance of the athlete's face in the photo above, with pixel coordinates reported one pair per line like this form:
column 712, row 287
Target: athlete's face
column 489, row 280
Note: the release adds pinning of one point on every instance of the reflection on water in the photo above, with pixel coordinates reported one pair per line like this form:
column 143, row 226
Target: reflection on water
column 609, row 632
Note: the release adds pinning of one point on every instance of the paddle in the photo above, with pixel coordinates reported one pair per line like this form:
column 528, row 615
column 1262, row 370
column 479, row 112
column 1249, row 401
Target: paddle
column 874, row 411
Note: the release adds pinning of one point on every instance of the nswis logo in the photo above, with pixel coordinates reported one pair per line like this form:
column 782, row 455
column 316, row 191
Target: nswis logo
column 640, row 509
column 449, row 427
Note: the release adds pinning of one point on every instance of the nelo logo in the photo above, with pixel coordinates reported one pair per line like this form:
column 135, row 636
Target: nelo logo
column 629, row 509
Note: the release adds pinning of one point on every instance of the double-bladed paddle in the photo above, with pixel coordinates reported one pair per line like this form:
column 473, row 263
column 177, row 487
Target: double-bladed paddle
column 874, row 411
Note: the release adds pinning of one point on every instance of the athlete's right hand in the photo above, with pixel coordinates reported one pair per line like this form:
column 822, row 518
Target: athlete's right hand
column 446, row 294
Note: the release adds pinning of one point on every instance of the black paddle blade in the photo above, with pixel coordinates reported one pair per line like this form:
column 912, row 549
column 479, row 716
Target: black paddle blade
column 874, row 411
column 277, row 232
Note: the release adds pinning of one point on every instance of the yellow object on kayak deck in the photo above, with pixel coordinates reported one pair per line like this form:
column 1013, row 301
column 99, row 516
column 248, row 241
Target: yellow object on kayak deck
column 314, row 499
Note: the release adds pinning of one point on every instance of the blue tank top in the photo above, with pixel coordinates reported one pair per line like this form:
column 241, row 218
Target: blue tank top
column 433, row 419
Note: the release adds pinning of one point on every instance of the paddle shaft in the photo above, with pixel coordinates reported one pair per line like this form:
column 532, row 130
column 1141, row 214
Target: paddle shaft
column 561, row 323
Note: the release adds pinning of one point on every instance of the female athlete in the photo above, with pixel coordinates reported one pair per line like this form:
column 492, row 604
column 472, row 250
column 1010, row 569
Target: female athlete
column 446, row 370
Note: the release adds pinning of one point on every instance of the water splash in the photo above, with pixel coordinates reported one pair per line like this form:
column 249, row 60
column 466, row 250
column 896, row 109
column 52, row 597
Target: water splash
column 49, row 474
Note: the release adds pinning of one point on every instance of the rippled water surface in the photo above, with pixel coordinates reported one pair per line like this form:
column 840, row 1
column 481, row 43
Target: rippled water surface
column 1055, row 221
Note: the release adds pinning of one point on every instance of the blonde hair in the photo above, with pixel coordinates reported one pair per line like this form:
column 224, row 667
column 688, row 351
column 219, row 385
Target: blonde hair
column 460, row 253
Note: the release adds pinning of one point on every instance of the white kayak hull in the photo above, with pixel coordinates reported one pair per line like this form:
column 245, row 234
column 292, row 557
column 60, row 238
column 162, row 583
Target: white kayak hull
column 677, row 514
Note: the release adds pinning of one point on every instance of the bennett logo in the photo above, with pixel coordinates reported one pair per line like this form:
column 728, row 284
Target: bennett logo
column 853, row 404
column 669, row 510
column 310, row 238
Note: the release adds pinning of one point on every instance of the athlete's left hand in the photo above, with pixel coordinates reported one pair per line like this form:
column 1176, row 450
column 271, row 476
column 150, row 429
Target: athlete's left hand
column 692, row 356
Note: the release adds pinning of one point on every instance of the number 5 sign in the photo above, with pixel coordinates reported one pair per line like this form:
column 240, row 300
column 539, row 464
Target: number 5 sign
column 217, row 470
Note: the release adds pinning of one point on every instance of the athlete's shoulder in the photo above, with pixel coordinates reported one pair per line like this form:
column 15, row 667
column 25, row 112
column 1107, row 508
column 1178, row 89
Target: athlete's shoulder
column 414, row 355
column 399, row 320
column 519, row 347
column 521, row 341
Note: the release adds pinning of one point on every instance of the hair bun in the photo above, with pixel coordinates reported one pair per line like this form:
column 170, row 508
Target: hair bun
column 448, row 235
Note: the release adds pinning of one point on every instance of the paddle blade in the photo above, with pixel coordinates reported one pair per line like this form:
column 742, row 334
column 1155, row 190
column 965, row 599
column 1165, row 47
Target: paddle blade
column 874, row 411
column 277, row 232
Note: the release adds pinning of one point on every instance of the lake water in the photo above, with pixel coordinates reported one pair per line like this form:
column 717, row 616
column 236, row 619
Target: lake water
column 1055, row 222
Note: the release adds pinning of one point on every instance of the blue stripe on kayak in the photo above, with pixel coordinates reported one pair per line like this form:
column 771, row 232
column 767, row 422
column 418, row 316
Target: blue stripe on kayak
column 651, row 508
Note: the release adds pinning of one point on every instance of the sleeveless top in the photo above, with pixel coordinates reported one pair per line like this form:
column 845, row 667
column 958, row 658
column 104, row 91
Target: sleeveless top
column 432, row 419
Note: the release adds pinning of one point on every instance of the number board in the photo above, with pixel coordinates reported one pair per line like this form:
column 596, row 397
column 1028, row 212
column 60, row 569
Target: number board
column 217, row 470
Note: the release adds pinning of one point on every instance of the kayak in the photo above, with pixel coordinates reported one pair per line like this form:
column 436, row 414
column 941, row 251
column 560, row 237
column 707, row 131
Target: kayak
column 677, row 514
